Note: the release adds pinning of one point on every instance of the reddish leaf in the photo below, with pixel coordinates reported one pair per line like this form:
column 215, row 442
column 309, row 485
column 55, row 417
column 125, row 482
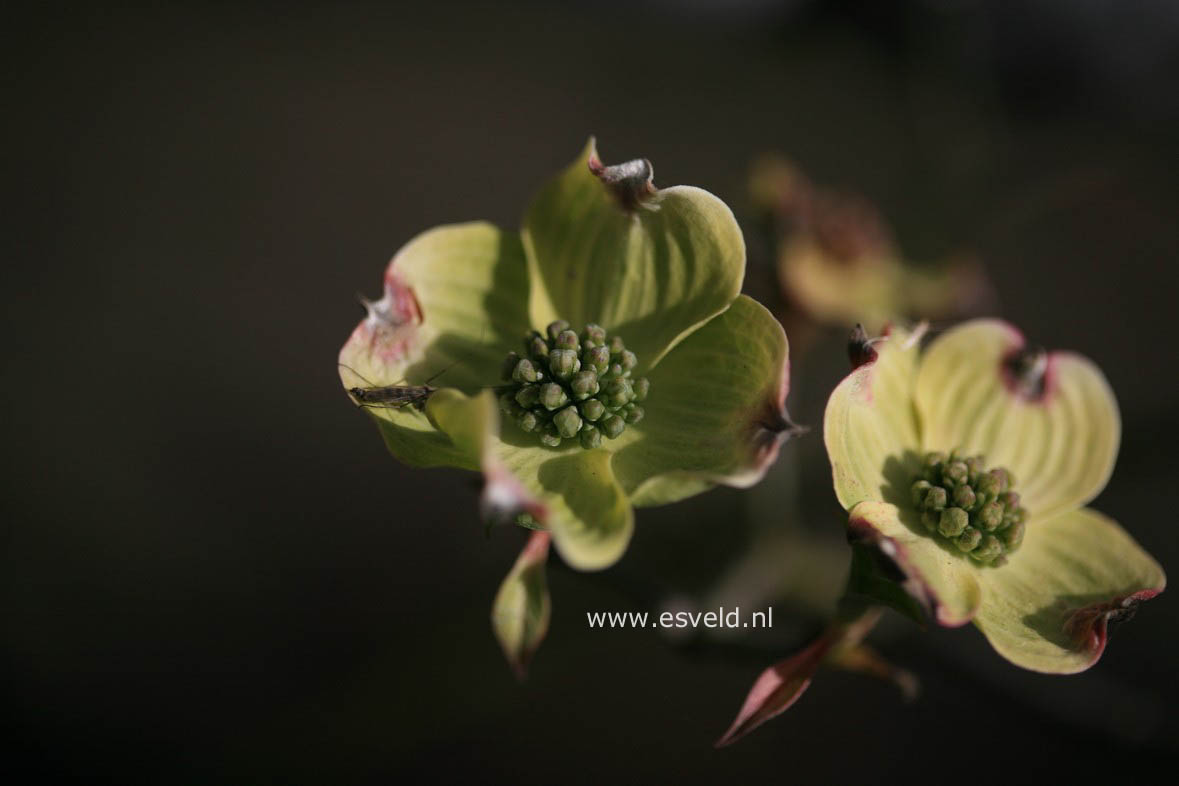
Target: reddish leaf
column 778, row 687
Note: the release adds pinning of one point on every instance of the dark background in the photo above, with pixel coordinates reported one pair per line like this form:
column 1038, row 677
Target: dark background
column 212, row 570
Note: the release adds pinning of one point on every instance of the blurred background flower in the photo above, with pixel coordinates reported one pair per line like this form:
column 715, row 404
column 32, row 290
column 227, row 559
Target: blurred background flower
column 838, row 263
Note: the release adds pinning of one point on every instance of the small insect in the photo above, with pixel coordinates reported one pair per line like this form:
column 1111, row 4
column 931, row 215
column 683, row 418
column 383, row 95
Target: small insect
column 392, row 396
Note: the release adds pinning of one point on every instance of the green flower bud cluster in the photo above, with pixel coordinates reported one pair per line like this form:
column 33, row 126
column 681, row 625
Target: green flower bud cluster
column 570, row 386
column 969, row 505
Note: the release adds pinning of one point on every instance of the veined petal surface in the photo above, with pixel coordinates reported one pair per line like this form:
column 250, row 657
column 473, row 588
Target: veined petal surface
column 1061, row 445
column 651, row 274
column 716, row 411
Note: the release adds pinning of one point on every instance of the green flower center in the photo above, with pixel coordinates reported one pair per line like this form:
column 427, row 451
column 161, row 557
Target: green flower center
column 971, row 506
column 567, row 386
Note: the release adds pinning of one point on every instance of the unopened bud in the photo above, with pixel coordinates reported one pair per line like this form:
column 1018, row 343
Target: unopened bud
column 595, row 334
column 1013, row 535
column 596, row 359
column 563, row 363
column 536, row 347
column 969, row 539
column 528, row 421
column 592, row 409
column 957, row 472
column 583, row 385
column 525, row 371
column 627, row 360
column 554, row 329
column 953, row 522
column 964, row 497
column 918, row 491
column 613, row 426
column 549, row 436
column 618, row 392
column 931, row 466
column 642, row 386
column 988, row 549
column 591, row 438
column 528, row 396
column 1013, row 516
column 975, row 465
column 568, row 422
column 552, row 396
column 567, row 339
column 634, row 415
column 935, row 498
column 990, row 516
column 989, row 485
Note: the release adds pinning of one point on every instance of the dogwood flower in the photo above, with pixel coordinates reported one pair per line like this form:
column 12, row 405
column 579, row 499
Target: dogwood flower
column 965, row 471
column 614, row 294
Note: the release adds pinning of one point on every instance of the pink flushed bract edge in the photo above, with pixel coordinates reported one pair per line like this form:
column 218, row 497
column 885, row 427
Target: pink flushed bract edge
column 1089, row 625
column 861, row 532
column 387, row 332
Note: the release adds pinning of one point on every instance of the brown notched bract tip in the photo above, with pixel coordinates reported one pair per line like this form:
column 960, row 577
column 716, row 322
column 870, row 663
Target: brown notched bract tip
column 631, row 183
column 776, row 421
column 770, row 430
column 859, row 348
column 1026, row 372
column 771, row 423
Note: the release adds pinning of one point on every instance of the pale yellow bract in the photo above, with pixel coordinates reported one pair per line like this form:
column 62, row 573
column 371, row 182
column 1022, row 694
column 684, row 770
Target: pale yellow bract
column 1047, row 608
column 664, row 274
